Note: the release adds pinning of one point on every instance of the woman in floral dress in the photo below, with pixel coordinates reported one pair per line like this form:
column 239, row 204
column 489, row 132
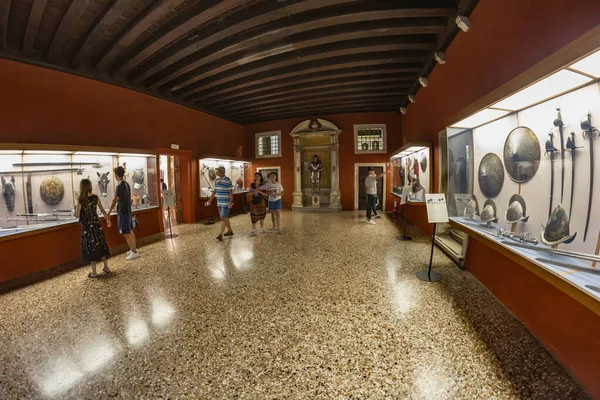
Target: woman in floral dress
column 258, row 206
column 93, row 242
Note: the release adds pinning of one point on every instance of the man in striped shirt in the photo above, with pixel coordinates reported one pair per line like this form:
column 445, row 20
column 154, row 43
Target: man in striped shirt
column 224, row 192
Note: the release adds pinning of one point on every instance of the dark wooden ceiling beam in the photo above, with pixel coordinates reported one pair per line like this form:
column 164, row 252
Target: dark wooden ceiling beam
column 4, row 15
column 33, row 23
column 317, row 92
column 220, row 8
column 154, row 12
column 325, row 110
column 277, row 35
column 307, row 88
column 111, row 14
column 314, row 44
column 326, row 100
column 298, row 64
column 257, row 85
column 70, row 19
column 178, row 54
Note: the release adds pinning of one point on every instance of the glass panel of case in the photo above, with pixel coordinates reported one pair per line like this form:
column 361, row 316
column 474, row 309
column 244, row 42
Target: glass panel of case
column 238, row 171
column 411, row 166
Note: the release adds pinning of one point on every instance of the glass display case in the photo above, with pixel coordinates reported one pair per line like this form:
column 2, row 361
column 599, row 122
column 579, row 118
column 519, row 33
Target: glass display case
column 521, row 173
column 40, row 187
column 239, row 171
column 411, row 166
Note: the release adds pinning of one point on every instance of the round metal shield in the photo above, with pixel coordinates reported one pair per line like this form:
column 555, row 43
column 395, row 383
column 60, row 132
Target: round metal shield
column 402, row 171
column 522, row 154
column 424, row 163
column 451, row 165
column 52, row 190
column 460, row 175
column 491, row 175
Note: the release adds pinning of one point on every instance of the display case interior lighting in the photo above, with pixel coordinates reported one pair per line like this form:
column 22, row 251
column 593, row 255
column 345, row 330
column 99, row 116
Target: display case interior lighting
column 93, row 153
column 59, row 152
column 409, row 151
column 134, row 155
column 480, row 118
column 12, row 152
column 589, row 65
column 555, row 84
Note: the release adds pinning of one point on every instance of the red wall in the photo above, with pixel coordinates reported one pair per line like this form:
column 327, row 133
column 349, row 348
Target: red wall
column 346, row 123
column 507, row 38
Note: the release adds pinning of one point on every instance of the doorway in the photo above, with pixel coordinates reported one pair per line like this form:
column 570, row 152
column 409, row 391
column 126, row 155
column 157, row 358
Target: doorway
column 171, row 180
column 360, row 196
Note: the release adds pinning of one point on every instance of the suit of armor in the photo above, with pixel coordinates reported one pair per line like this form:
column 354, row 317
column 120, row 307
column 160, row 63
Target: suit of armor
column 315, row 168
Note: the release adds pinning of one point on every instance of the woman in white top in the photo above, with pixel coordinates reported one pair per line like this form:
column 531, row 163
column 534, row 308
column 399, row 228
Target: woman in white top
column 275, row 191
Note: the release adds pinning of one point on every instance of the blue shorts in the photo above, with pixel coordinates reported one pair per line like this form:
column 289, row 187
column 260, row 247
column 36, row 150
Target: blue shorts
column 275, row 205
column 224, row 211
column 125, row 224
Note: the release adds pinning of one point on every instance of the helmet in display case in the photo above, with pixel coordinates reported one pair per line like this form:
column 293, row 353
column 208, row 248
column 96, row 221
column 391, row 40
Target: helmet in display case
column 517, row 210
column 557, row 229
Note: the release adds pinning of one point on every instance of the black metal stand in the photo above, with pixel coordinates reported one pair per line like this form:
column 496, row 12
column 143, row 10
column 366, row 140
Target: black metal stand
column 170, row 235
column 403, row 237
column 429, row 275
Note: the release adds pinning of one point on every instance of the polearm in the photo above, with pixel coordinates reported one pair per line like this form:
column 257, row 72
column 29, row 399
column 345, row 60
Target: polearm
column 559, row 124
column 589, row 132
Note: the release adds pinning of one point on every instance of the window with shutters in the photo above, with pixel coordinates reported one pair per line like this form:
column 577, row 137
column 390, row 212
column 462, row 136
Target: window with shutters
column 268, row 144
column 370, row 139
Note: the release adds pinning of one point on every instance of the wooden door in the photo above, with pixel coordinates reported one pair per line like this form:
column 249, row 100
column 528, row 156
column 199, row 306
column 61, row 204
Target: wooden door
column 362, row 195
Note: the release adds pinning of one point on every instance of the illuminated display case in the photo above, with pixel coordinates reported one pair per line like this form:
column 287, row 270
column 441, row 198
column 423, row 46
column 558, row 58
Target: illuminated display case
column 411, row 166
column 40, row 187
column 238, row 171
column 523, row 174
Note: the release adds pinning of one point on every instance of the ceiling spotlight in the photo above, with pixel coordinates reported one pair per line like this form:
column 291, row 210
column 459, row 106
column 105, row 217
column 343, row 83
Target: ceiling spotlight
column 463, row 23
column 412, row 98
column 403, row 110
column 440, row 57
column 423, row 81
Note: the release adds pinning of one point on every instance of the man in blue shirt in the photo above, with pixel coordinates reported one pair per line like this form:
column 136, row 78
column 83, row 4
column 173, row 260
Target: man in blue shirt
column 224, row 192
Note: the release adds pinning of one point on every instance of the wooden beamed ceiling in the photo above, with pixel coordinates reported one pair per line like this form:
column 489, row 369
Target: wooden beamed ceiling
column 243, row 60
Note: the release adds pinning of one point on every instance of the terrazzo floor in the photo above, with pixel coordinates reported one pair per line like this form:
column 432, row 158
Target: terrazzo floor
column 329, row 309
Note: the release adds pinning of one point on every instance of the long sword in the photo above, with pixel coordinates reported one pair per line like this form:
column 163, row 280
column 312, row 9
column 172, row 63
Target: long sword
column 570, row 266
column 559, row 124
column 550, row 149
column 571, row 147
column 583, row 256
column 589, row 132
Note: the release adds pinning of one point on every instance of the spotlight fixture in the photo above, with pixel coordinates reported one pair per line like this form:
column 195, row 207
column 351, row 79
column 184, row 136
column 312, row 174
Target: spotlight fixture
column 403, row 110
column 440, row 57
column 423, row 81
column 464, row 23
column 412, row 98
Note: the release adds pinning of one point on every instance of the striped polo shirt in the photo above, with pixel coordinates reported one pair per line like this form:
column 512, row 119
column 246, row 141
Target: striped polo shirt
column 223, row 187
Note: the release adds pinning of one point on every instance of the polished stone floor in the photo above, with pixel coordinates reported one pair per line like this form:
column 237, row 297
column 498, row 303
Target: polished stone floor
column 329, row 309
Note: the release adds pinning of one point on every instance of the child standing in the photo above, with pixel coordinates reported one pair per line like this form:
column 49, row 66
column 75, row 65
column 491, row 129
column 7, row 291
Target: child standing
column 275, row 191
column 258, row 208
column 93, row 242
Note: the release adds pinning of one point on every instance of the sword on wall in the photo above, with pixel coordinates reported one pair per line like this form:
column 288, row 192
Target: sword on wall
column 550, row 149
column 589, row 132
column 29, row 195
column 571, row 147
column 559, row 124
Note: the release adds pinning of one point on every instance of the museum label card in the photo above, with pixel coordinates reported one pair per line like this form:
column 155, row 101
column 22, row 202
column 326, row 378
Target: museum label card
column 437, row 211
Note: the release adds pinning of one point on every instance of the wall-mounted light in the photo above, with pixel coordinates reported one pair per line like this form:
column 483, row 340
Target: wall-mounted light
column 412, row 98
column 423, row 81
column 464, row 23
column 440, row 57
column 403, row 110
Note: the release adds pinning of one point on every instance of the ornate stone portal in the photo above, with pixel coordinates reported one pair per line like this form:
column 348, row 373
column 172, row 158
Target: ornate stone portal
column 316, row 137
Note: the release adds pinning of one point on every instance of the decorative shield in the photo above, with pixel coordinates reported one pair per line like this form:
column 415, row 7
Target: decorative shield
column 491, row 175
column 423, row 162
column 52, row 190
column 460, row 175
column 451, row 165
column 522, row 154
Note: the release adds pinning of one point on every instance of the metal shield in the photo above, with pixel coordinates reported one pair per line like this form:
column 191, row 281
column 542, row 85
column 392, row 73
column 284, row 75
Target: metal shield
column 522, row 154
column 423, row 163
column 52, row 190
column 451, row 165
column 460, row 175
column 491, row 175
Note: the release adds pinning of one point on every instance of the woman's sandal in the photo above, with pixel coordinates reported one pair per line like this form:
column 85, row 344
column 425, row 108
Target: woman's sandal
column 90, row 275
column 106, row 271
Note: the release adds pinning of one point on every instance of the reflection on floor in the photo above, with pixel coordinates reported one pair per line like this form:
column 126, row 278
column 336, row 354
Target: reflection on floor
column 330, row 308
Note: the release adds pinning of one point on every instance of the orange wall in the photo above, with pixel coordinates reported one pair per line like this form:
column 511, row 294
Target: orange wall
column 346, row 123
column 507, row 38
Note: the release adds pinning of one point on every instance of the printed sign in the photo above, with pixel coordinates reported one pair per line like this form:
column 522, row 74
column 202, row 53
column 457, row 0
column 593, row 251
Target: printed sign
column 405, row 194
column 168, row 198
column 437, row 211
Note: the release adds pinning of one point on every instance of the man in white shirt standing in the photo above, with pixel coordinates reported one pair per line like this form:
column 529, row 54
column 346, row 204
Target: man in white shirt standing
column 371, row 189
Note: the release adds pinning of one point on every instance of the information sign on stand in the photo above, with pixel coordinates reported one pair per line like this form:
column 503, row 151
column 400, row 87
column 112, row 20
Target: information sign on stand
column 169, row 201
column 437, row 212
